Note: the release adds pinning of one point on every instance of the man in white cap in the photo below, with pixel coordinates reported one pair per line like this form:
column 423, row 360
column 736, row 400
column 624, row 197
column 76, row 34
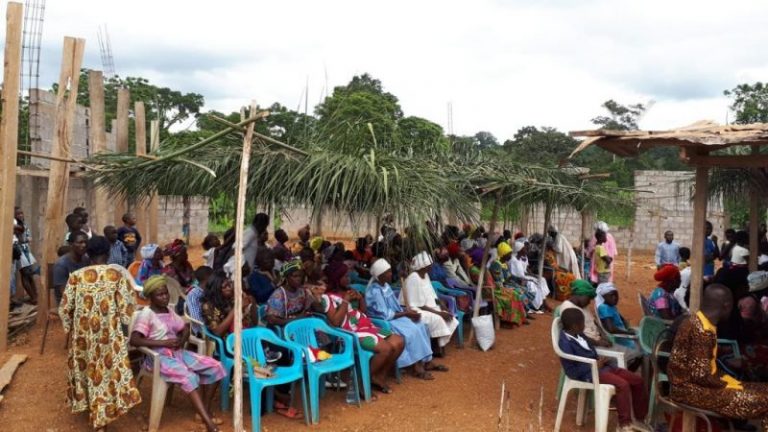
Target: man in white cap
column 417, row 294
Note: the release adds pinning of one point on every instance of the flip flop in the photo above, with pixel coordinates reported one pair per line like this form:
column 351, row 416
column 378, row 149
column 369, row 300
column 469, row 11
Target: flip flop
column 437, row 368
column 381, row 388
column 426, row 376
column 290, row 412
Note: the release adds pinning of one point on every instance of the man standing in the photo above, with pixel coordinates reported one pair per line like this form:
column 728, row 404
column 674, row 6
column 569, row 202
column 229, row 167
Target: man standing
column 711, row 252
column 668, row 251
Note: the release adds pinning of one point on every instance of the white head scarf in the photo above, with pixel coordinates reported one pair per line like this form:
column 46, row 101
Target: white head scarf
column 603, row 289
column 519, row 245
column 421, row 261
column 148, row 251
column 602, row 226
column 379, row 268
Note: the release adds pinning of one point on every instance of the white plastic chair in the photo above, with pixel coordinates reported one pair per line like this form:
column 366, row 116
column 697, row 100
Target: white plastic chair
column 199, row 340
column 602, row 392
column 159, row 386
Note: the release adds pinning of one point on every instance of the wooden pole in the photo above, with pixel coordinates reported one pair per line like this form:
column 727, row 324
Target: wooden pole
column 547, row 217
column 697, row 247
column 141, row 208
column 483, row 265
column 98, row 136
column 121, row 143
column 9, row 133
column 754, row 219
column 245, row 160
column 154, row 143
column 58, row 176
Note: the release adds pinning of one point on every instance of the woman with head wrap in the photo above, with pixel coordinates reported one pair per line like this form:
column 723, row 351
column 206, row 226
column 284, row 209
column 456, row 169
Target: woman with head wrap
column 511, row 301
column 292, row 300
column 383, row 304
column 346, row 308
column 179, row 269
column 151, row 262
column 562, row 275
column 537, row 288
column 158, row 328
column 96, row 300
column 608, row 314
column 662, row 303
column 453, row 266
column 417, row 294
column 564, row 254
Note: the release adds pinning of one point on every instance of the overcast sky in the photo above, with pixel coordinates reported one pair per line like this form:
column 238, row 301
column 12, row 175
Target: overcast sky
column 502, row 64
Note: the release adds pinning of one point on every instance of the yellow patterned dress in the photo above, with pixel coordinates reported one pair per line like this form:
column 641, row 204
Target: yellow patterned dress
column 96, row 301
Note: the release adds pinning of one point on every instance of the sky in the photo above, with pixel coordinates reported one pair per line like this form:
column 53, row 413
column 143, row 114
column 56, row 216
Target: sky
column 501, row 65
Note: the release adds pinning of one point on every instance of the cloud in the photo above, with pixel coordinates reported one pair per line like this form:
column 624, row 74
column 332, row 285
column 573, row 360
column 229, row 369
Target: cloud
column 501, row 64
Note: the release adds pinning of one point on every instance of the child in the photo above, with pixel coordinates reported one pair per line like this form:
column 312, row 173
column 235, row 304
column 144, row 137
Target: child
column 601, row 260
column 118, row 253
column 685, row 278
column 606, row 300
column 630, row 390
column 128, row 234
column 210, row 243
column 195, row 295
column 74, row 223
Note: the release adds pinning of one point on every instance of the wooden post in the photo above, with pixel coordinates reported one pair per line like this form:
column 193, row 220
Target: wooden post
column 154, row 143
column 121, row 144
column 98, row 136
column 754, row 218
column 9, row 133
column 237, row 379
column 483, row 265
column 58, row 176
column 547, row 217
column 697, row 247
column 140, row 208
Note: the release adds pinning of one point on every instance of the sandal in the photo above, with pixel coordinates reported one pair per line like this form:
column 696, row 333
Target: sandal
column 425, row 375
column 290, row 412
column 215, row 420
column 436, row 368
column 381, row 388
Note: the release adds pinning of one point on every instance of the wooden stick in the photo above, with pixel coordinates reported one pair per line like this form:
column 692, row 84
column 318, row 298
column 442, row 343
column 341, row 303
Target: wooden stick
column 9, row 132
column 154, row 143
column 483, row 265
column 98, row 136
column 58, row 178
column 258, row 135
column 697, row 246
column 140, row 207
column 239, row 223
column 9, row 368
column 121, row 143
column 754, row 218
column 547, row 217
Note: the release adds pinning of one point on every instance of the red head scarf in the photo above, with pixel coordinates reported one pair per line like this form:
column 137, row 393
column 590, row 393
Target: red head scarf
column 667, row 276
column 453, row 249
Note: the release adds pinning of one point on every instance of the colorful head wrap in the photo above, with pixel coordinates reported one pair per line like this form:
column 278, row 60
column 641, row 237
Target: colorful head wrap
column 518, row 235
column 668, row 273
column 334, row 272
column 152, row 284
column 148, row 251
column 504, row 249
column 453, row 249
column 176, row 247
column 315, row 243
column 581, row 287
column 603, row 289
column 291, row 267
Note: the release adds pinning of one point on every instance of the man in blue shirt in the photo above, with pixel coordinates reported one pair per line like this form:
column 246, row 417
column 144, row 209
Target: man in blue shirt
column 668, row 251
column 711, row 252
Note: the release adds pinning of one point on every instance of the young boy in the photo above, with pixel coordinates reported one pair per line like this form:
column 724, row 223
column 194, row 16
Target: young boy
column 630, row 390
column 195, row 295
column 602, row 261
column 118, row 253
column 74, row 223
column 128, row 234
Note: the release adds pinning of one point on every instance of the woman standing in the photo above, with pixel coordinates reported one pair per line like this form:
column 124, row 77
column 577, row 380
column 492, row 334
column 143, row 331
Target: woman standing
column 159, row 328
column 97, row 300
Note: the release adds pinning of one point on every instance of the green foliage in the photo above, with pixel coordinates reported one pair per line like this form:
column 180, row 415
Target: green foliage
column 750, row 102
column 547, row 146
column 620, row 117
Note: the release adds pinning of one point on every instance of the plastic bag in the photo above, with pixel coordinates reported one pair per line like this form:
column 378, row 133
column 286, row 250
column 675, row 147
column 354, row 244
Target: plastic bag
column 757, row 281
column 484, row 331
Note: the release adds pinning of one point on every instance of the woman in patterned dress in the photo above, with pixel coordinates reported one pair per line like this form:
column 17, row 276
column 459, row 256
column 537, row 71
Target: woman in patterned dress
column 345, row 308
column 159, row 328
column 511, row 299
column 97, row 300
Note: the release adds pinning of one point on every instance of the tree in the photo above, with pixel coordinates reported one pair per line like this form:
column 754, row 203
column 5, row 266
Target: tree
column 486, row 140
column 750, row 103
column 419, row 133
column 546, row 146
column 620, row 117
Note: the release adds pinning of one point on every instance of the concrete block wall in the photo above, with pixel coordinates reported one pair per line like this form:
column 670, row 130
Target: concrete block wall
column 170, row 219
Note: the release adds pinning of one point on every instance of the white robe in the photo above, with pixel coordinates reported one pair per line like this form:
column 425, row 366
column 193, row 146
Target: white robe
column 566, row 257
column 535, row 285
column 421, row 294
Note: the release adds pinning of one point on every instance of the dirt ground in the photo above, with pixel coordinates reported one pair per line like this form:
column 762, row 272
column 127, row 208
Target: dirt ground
column 464, row 399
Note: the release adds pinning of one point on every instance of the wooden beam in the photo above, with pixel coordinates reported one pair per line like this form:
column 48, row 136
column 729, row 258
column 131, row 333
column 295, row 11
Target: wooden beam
column 98, row 137
column 154, row 143
column 746, row 161
column 754, row 218
column 9, row 134
column 121, row 143
column 58, row 180
column 140, row 208
column 9, row 368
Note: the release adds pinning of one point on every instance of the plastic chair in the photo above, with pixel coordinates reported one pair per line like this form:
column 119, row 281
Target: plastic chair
column 359, row 288
column 303, row 333
column 200, row 342
column 662, row 350
column 612, row 336
column 159, row 386
column 602, row 393
column 441, row 289
column 253, row 341
column 220, row 353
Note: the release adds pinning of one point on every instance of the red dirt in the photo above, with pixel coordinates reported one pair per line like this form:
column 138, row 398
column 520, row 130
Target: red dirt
column 464, row 399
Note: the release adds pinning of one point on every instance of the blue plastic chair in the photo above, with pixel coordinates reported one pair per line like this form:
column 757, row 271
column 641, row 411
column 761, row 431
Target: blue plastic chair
column 441, row 289
column 253, row 342
column 359, row 287
column 227, row 362
column 302, row 332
